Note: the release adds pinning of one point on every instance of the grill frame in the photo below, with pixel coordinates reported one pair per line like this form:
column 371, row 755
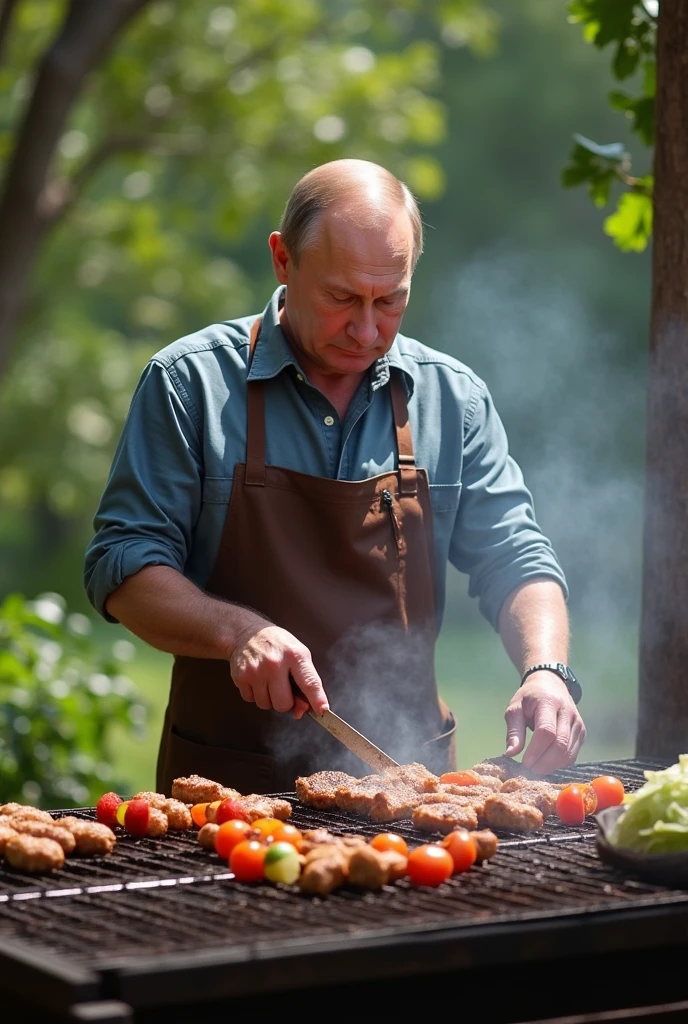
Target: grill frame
column 645, row 919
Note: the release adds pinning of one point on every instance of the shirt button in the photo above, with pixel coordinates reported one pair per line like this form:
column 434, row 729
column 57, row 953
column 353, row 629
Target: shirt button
column 329, row 421
column 299, row 376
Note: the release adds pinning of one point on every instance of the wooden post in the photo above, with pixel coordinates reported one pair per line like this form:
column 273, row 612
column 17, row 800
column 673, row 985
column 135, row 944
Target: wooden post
column 663, row 692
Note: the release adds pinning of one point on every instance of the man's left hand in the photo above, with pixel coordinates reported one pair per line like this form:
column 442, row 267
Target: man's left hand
column 544, row 705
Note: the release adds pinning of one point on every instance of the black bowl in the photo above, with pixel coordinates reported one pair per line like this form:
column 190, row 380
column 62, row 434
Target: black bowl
column 664, row 868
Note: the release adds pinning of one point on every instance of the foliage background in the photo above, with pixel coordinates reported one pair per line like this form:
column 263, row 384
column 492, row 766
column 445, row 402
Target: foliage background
column 218, row 110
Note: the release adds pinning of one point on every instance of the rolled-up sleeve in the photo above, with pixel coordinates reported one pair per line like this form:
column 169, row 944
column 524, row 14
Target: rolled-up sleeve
column 496, row 538
column 153, row 493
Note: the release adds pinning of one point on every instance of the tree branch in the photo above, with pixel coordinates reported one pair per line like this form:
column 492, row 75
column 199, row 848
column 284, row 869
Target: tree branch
column 6, row 10
column 88, row 31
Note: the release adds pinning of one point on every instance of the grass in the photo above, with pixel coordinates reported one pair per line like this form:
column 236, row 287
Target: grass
column 476, row 679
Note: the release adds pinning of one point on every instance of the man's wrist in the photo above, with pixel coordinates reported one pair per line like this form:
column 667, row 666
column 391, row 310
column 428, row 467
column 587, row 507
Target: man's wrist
column 560, row 669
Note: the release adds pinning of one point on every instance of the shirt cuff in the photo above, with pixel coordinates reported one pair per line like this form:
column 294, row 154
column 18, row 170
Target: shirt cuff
column 117, row 563
column 520, row 572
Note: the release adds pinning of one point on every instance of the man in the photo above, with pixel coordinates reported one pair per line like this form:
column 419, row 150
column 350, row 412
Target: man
column 283, row 502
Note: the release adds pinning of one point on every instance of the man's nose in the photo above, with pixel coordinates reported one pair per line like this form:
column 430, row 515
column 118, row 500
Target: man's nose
column 363, row 327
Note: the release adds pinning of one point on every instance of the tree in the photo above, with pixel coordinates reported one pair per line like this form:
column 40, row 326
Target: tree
column 660, row 39
column 176, row 126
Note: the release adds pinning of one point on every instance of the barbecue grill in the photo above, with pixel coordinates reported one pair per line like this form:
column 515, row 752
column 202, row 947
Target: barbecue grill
column 542, row 929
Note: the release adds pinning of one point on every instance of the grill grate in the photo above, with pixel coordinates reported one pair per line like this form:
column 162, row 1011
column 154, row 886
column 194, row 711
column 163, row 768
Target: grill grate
column 177, row 857
column 100, row 929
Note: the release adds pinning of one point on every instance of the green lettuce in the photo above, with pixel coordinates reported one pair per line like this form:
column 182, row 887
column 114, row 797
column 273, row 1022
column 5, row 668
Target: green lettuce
column 656, row 815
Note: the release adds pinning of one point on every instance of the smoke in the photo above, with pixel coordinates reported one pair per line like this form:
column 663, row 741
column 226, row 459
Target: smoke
column 572, row 399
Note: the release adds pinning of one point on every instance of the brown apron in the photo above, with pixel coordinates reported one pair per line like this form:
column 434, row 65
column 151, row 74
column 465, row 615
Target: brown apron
column 348, row 568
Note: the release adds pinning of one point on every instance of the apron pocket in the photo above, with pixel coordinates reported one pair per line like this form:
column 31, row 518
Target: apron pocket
column 439, row 753
column 236, row 769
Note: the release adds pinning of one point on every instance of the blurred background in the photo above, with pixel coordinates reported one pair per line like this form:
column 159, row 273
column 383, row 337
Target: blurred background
column 173, row 165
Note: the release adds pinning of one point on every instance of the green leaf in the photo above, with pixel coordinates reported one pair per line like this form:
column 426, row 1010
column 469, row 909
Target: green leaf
column 626, row 59
column 631, row 224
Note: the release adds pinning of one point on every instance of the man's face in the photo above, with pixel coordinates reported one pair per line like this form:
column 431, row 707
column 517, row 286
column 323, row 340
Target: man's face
column 346, row 299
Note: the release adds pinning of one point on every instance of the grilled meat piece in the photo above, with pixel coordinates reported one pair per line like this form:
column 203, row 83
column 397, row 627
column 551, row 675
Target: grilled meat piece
column 257, row 806
column 503, row 768
column 325, row 868
column 468, row 777
column 415, row 775
column 319, row 790
column 507, row 810
column 357, row 797
column 443, row 817
column 31, row 853
column 370, row 869
column 92, row 839
column 43, row 830
column 487, row 843
column 394, row 803
column 25, row 811
column 194, row 789
column 177, row 813
column 314, row 837
column 542, row 795
column 206, row 835
column 471, row 796
column 6, row 832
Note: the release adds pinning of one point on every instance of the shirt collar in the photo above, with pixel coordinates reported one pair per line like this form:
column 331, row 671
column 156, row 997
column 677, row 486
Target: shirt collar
column 272, row 353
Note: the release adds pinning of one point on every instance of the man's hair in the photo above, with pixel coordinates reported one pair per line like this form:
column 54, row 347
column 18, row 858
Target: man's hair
column 348, row 181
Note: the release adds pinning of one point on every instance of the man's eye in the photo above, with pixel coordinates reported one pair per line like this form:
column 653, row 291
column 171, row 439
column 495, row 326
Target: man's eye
column 340, row 298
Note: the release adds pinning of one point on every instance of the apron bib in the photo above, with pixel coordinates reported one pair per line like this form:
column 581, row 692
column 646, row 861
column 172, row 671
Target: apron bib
column 348, row 568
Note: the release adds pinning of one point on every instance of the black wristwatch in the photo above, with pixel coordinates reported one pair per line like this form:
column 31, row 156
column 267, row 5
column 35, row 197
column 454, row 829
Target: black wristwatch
column 564, row 673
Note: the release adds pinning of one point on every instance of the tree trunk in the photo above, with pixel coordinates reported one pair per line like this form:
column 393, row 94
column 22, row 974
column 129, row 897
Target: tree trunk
column 88, row 30
column 663, row 696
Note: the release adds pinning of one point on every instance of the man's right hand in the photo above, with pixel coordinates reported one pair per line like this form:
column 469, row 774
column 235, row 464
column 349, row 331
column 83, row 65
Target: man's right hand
column 261, row 665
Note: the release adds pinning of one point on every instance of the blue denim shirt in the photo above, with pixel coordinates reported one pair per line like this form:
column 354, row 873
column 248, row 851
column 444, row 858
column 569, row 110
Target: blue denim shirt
column 167, row 494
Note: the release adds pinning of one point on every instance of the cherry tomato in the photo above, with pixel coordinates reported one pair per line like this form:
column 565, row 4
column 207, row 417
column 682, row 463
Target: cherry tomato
column 198, row 814
column 229, row 834
column 462, row 849
column 267, row 827
column 460, row 778
column 571, row 805
column 286, row 833
column 229, row 810
column 429, row 864
column 246, row 860
column 390, row 841
column 610, row 791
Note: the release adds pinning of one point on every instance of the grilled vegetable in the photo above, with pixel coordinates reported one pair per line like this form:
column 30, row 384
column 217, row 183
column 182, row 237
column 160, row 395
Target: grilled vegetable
column 282, row 863
column 429, row 864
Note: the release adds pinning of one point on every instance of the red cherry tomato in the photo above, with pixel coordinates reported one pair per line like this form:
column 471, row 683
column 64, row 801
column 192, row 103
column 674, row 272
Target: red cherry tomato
column 571, row 805
column 462, row 849
column 229, row 835
column 390, row 841
column 610, row 791
column 246, row 860
column 429, row 864
column 467, row 778
column 230, row 810
column 286, row 833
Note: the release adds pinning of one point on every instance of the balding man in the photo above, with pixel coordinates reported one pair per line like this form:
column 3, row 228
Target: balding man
column 285, row 498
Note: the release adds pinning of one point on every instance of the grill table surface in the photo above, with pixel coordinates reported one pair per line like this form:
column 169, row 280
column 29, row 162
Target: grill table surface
column 161, row 921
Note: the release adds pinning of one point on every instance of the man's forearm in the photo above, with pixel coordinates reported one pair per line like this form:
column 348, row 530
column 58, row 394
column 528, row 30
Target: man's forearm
column 534, row 624
column 162, row 607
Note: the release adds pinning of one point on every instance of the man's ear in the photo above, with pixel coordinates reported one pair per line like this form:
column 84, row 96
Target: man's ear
column 281, row 261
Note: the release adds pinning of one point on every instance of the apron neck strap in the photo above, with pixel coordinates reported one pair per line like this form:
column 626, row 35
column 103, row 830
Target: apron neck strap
column 255, row 433
column 407, row 461
column 255, row 420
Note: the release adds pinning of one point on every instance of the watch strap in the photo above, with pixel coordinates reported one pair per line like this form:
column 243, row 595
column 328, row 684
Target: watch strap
column 564, row 673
